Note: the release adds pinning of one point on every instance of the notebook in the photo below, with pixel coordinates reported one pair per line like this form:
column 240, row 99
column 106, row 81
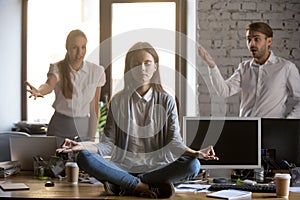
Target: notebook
column 23, row 149
column 14, row 186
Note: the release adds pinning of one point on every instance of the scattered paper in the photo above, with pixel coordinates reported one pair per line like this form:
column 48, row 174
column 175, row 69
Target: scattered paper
column 294, row 189
column 191, row 188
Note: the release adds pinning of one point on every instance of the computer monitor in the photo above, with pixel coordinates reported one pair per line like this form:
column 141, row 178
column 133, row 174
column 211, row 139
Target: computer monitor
column 236, row 141
column 281, row 140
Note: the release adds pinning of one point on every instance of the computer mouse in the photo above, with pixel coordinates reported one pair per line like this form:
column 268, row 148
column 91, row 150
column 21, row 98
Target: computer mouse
column 219, row 180
column 49, row 184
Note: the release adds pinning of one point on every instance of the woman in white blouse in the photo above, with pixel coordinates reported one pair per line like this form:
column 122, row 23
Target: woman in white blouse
column 77, row 85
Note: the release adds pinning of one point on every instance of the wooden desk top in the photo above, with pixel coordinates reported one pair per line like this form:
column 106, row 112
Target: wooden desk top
column 63, row 190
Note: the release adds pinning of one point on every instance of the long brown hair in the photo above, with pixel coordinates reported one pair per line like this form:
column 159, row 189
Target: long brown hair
column 129, row 83
column 63, row 66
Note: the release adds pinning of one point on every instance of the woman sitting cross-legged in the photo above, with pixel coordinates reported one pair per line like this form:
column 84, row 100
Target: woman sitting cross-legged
column 141, row 135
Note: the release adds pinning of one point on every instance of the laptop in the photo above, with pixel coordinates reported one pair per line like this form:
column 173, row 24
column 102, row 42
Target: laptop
column 23, row 149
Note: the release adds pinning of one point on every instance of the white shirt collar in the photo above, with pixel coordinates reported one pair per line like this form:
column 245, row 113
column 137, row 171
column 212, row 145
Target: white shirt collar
column 271, row 60
column 84, row 68
column 147, row 97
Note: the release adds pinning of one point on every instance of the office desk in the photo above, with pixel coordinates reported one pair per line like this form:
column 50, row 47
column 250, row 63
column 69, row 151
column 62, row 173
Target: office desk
column 63, row 190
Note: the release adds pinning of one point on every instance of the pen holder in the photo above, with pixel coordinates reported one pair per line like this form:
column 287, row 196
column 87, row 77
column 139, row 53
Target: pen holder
column 295, row 174
column 51, row 168
column 39, row 168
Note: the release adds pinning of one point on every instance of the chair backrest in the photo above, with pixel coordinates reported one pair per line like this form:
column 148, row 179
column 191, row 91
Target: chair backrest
column 5, row 145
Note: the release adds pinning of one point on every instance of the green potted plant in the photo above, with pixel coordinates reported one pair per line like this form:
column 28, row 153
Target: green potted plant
column 102, row 115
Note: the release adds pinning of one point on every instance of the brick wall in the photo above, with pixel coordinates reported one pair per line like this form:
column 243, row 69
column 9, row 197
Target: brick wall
column 221, row 30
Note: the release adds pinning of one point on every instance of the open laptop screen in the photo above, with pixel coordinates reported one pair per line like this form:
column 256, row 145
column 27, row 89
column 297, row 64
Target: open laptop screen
column 23, row 149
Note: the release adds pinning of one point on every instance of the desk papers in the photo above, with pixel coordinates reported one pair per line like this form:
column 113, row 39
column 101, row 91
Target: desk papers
column 231, row 194
column 191, row 188
column 8, row 168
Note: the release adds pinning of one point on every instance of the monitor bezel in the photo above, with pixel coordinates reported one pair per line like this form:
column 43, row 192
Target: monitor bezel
column 231, row 166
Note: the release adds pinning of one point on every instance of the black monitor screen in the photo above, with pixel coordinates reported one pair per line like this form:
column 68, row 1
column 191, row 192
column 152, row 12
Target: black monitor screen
column 283, row 136
column 236, row 141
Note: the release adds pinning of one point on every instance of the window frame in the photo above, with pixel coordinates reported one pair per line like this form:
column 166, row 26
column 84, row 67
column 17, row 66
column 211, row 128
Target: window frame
column 24, row 108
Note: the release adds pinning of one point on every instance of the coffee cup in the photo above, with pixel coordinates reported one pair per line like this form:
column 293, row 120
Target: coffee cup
column 72, row 173
column 282, row 185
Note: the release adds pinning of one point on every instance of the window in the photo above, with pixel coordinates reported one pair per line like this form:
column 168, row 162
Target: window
column 46, row 25
column 162, row 23
column 126, row 31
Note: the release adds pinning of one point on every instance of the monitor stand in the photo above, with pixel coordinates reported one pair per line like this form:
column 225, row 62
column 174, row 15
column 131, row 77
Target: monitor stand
column 220, row 173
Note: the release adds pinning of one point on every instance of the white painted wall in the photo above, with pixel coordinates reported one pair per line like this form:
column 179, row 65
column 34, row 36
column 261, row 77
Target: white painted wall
column 10, row 63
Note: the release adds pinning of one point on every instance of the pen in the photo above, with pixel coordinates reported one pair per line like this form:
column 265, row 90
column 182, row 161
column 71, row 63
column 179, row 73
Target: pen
column 290, row 165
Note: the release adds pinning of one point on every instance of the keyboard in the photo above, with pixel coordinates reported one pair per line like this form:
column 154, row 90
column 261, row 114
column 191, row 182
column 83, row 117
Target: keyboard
column 244, row 187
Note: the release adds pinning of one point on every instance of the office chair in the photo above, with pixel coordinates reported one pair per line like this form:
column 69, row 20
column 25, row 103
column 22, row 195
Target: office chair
column 5, row 145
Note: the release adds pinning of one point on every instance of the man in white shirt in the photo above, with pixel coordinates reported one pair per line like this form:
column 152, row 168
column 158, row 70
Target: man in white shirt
column 265, row 81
